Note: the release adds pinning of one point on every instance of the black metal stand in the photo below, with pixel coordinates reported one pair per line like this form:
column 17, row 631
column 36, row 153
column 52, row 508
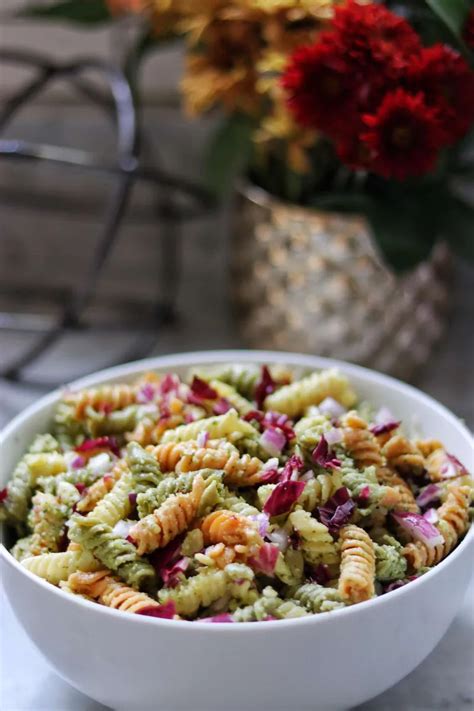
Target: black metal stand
column 180, row 199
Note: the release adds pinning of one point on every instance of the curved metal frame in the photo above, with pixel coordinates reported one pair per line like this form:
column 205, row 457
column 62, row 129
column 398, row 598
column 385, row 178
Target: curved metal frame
column 127, row 170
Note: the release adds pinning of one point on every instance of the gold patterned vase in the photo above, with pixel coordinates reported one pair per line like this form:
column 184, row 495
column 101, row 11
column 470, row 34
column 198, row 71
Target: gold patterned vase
column 315, row 282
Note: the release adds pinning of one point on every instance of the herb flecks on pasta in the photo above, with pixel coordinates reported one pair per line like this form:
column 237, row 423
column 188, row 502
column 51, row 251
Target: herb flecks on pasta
column 242, row 493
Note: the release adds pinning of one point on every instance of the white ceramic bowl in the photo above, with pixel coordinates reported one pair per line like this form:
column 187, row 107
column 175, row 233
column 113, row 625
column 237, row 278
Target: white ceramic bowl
column 329, row 661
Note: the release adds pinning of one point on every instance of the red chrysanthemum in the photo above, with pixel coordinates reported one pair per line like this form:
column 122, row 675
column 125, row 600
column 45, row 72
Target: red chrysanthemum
column 404, row 136
column 353, row 152
column 376, row 39
column 319, row 85
column 447, row 83
column 468, row 32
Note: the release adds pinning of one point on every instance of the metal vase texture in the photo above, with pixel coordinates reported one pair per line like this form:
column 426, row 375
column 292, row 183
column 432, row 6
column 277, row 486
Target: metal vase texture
column 315, row 282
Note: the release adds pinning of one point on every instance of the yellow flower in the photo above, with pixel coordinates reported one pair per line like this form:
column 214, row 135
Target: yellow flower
column 222, row 69
column 297, row 9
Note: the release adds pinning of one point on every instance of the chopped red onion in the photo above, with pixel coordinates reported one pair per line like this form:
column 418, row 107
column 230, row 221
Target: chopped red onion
column 166, row 611
column 385, row 427
column 223, row 617
column 131, row 540
column 269, row 618
column 429, row 494
column 331, row 408
column 161, row 558
column 363, row 497
column 333, row 436
column 262, row 522
column 105, row 442
column 320, row 574
column 431, row 515
column 270, row 476
column 283, row 496
column 146, row 393
column 221, row 406
column 171, row 574
column 418, row 527
column 383, row 415
column 323, row 456
column 189, row 417
column 202, row 439
column 280, row 538
column 399, row 583
column 273, row 441
column 203, row 390
column 292, row 468
column 265, row 560
column 169, row 383
column 282, row 422
column 256, row 415
column 337, row 511
column 78, row 462
column 452, row 467
column 122, row 528
column 80, row 487
column 3, row 494
column 265, row 386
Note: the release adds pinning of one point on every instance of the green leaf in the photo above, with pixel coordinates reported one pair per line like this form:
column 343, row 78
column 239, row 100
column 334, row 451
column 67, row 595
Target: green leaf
column 84, row 12
column 452, row 12
column 228, row 153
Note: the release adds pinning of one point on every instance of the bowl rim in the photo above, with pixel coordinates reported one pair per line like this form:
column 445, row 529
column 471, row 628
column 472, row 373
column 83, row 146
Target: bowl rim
column 243, row 356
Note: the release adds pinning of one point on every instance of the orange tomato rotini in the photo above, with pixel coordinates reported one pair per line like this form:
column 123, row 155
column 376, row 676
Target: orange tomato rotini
column 229, row 528
column 406, row 499
column 172, row 518
column 403, row 455
column 361, row 444
column 100, row 488
column 110, row 591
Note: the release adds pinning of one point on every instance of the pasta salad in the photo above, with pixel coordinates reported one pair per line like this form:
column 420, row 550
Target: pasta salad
column 239, row 494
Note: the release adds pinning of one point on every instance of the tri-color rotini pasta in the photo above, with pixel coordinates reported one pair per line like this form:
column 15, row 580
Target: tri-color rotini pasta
column 238, row 494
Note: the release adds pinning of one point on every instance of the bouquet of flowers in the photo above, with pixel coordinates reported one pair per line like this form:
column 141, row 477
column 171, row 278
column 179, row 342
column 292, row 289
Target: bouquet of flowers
column 357, row 106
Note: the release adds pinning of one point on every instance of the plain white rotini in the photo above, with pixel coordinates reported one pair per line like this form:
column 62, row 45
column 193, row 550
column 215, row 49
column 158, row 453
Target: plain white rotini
column 55, row 567
column 293, row 399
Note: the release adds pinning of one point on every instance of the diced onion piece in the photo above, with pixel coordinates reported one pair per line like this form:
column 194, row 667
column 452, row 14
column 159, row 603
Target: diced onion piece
column 429, row 494
column 166, row 611
column 265, row 560
column 418, row 527
column 431, row 515
column 122, row 528
column 331, row 408
column 273, row 441
column 333, row 436
column 223, row 617
column 280, row 538
column 383, row 416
